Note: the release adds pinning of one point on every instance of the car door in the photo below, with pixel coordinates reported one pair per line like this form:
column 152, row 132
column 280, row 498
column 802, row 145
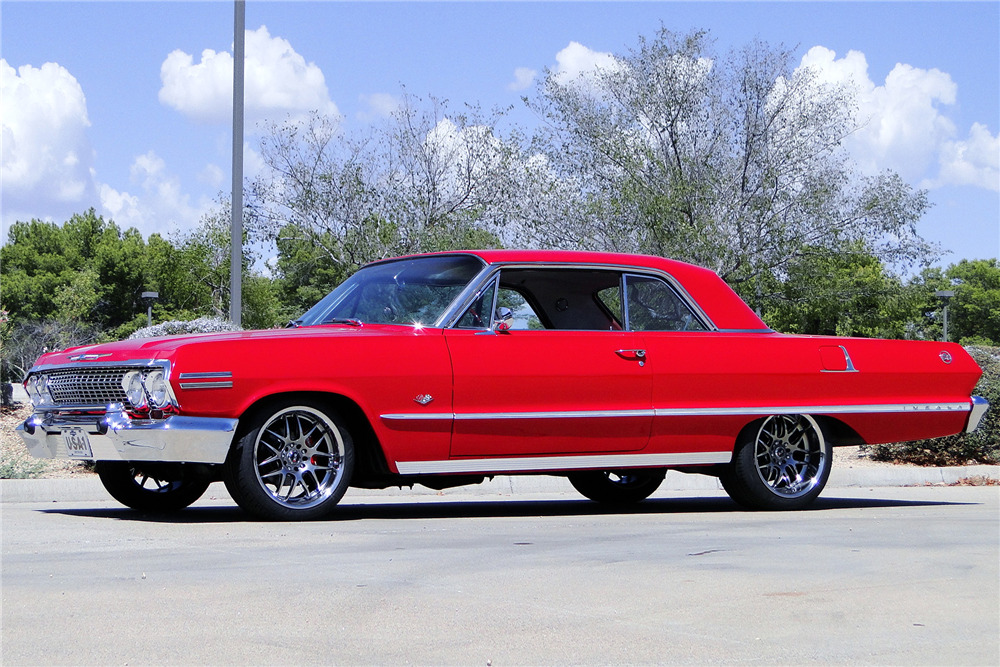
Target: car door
column 528, row 388
column 691, row 368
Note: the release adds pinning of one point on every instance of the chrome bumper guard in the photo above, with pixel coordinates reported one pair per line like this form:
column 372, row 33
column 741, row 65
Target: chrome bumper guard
column 979, row 407
column 114, row 436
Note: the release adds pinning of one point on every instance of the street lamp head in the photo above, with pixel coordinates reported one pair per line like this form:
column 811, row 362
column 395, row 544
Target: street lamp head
column 945, row 293
column 150, row 295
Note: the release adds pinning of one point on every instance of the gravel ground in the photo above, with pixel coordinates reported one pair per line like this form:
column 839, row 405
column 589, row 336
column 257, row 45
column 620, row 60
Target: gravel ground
column 15, row 462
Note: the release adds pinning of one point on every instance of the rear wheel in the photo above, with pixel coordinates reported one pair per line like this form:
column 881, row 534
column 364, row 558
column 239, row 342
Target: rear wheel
column 617, row 486
column 784, row 466
column 152, row 487
column 294, row 463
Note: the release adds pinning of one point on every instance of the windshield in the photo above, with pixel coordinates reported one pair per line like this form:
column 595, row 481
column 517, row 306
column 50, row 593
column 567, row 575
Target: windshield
column 404, row 291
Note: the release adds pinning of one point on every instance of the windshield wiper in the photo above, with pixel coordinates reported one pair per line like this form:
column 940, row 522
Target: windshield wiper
column 343, row 320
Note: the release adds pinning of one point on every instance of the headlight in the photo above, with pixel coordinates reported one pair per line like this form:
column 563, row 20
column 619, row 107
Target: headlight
column 38, row 391
column 134, row 391
column 34, row 392
column 159, row 390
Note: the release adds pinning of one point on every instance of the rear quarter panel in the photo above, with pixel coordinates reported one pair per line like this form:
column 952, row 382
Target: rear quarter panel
column 762, row 372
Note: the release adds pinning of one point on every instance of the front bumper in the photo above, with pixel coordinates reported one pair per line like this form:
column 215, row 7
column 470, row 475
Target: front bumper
column 114, row 436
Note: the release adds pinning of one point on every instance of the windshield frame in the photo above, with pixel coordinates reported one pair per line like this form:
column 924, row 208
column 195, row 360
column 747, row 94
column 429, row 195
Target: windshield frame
column 323, row 311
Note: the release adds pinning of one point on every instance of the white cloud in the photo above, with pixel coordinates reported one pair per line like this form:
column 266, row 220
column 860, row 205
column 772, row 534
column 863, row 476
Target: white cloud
column 278, row 82
column 577, row 62
column 212, row 175
column 523, row 78
column 47, row 159
column 905, row 126
column 161, row 205
column 974, row 161
column 378, row 105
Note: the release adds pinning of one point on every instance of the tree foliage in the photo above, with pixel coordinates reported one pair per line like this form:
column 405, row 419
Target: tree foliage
column 331, row 202
column 734, row 162
column 82, row 282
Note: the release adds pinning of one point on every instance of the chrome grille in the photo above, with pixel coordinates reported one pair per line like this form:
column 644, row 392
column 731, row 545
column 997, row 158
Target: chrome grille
column 89, row 386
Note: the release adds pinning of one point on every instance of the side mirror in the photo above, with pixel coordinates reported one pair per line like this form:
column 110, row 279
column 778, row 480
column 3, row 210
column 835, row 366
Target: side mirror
column 502, row 320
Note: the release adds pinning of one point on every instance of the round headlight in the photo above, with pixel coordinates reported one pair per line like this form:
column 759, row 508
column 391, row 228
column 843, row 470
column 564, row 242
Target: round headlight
column 33, row 387
column 159, row 391
column 134, row 391
column 38, row 391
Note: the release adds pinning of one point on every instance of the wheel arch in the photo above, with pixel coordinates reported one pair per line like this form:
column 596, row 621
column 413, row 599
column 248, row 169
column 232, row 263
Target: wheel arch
column 369, row 459
column 835, row 431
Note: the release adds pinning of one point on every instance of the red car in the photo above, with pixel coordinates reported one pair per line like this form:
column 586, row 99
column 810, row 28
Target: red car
column 447, row 368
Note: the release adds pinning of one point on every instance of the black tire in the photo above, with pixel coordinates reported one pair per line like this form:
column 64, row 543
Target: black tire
column 784, row 465
column 152, row 487
column 617, row 487
column 293, row 463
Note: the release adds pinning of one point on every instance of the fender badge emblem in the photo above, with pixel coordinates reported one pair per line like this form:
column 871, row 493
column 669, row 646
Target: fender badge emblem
column 424, row 399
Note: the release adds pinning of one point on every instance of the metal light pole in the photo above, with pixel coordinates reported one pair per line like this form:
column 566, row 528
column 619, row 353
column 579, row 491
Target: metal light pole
column 149, row 306
column 945, row 295
column 236, row 258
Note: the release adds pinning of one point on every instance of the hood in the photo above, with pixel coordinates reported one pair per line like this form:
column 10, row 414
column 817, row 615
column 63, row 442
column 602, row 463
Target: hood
column 166, row 346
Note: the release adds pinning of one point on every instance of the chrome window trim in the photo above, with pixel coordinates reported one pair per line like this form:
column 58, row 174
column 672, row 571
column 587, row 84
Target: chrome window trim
column 453, row 313
column 579, row 462
column 464, row 299
column 681, row 293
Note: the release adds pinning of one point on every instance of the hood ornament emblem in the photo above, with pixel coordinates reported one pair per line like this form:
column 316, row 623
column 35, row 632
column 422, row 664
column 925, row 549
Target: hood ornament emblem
column 424, row 399
column 945, row 356
column 88, row 357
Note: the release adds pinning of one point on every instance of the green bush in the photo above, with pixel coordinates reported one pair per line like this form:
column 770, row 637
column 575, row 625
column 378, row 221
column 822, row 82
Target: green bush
column 981, row 446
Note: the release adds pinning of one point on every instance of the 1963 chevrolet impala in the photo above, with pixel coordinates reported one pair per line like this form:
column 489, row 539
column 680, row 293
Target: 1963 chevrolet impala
column 444, row 369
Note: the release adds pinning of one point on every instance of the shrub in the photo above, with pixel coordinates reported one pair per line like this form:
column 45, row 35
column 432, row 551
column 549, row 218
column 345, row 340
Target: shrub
column 177, row 328
column 981, row 446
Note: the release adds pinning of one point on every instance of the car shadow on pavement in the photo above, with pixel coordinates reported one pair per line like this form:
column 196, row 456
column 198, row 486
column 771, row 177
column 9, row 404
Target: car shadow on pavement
column 500, row 508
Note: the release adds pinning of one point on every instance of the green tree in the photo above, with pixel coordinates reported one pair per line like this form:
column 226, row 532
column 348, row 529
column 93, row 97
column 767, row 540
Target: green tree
column 975, row 309
column 732, row 162
column 86, row 269
column 844, row 294
column 430, row 180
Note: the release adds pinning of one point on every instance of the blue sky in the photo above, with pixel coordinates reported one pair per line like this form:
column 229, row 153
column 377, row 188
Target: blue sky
column 121, row 105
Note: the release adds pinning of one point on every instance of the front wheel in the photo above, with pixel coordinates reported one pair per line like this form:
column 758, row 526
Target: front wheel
column 293, row 463
column 617, row 487
column 152, row 487
column 783, row 467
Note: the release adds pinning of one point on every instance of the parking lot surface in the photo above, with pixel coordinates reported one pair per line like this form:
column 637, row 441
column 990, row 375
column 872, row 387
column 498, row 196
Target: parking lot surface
column 872, row 576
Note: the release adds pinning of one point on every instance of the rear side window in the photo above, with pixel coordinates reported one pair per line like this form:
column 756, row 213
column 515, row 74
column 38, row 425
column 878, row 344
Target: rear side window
column 653, row 305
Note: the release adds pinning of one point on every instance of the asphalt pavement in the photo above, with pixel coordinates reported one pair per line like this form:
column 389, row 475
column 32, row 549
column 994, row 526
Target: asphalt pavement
column 879, row 576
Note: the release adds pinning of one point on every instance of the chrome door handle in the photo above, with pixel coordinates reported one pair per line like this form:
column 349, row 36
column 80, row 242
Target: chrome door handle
column 636, row 355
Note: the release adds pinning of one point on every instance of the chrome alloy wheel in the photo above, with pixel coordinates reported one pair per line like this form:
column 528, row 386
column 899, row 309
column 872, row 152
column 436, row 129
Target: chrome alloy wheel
column 299, row 456
column 790, row 454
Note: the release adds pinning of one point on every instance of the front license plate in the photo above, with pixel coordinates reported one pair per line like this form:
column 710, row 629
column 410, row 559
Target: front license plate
column 77, row 443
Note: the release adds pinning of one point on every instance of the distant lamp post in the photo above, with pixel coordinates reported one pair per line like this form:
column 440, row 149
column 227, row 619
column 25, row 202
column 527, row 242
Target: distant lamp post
column 945, row 295
column 150, row 296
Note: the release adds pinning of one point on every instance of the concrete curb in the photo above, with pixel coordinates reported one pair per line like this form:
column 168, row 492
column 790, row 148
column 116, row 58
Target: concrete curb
column 89, row 488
